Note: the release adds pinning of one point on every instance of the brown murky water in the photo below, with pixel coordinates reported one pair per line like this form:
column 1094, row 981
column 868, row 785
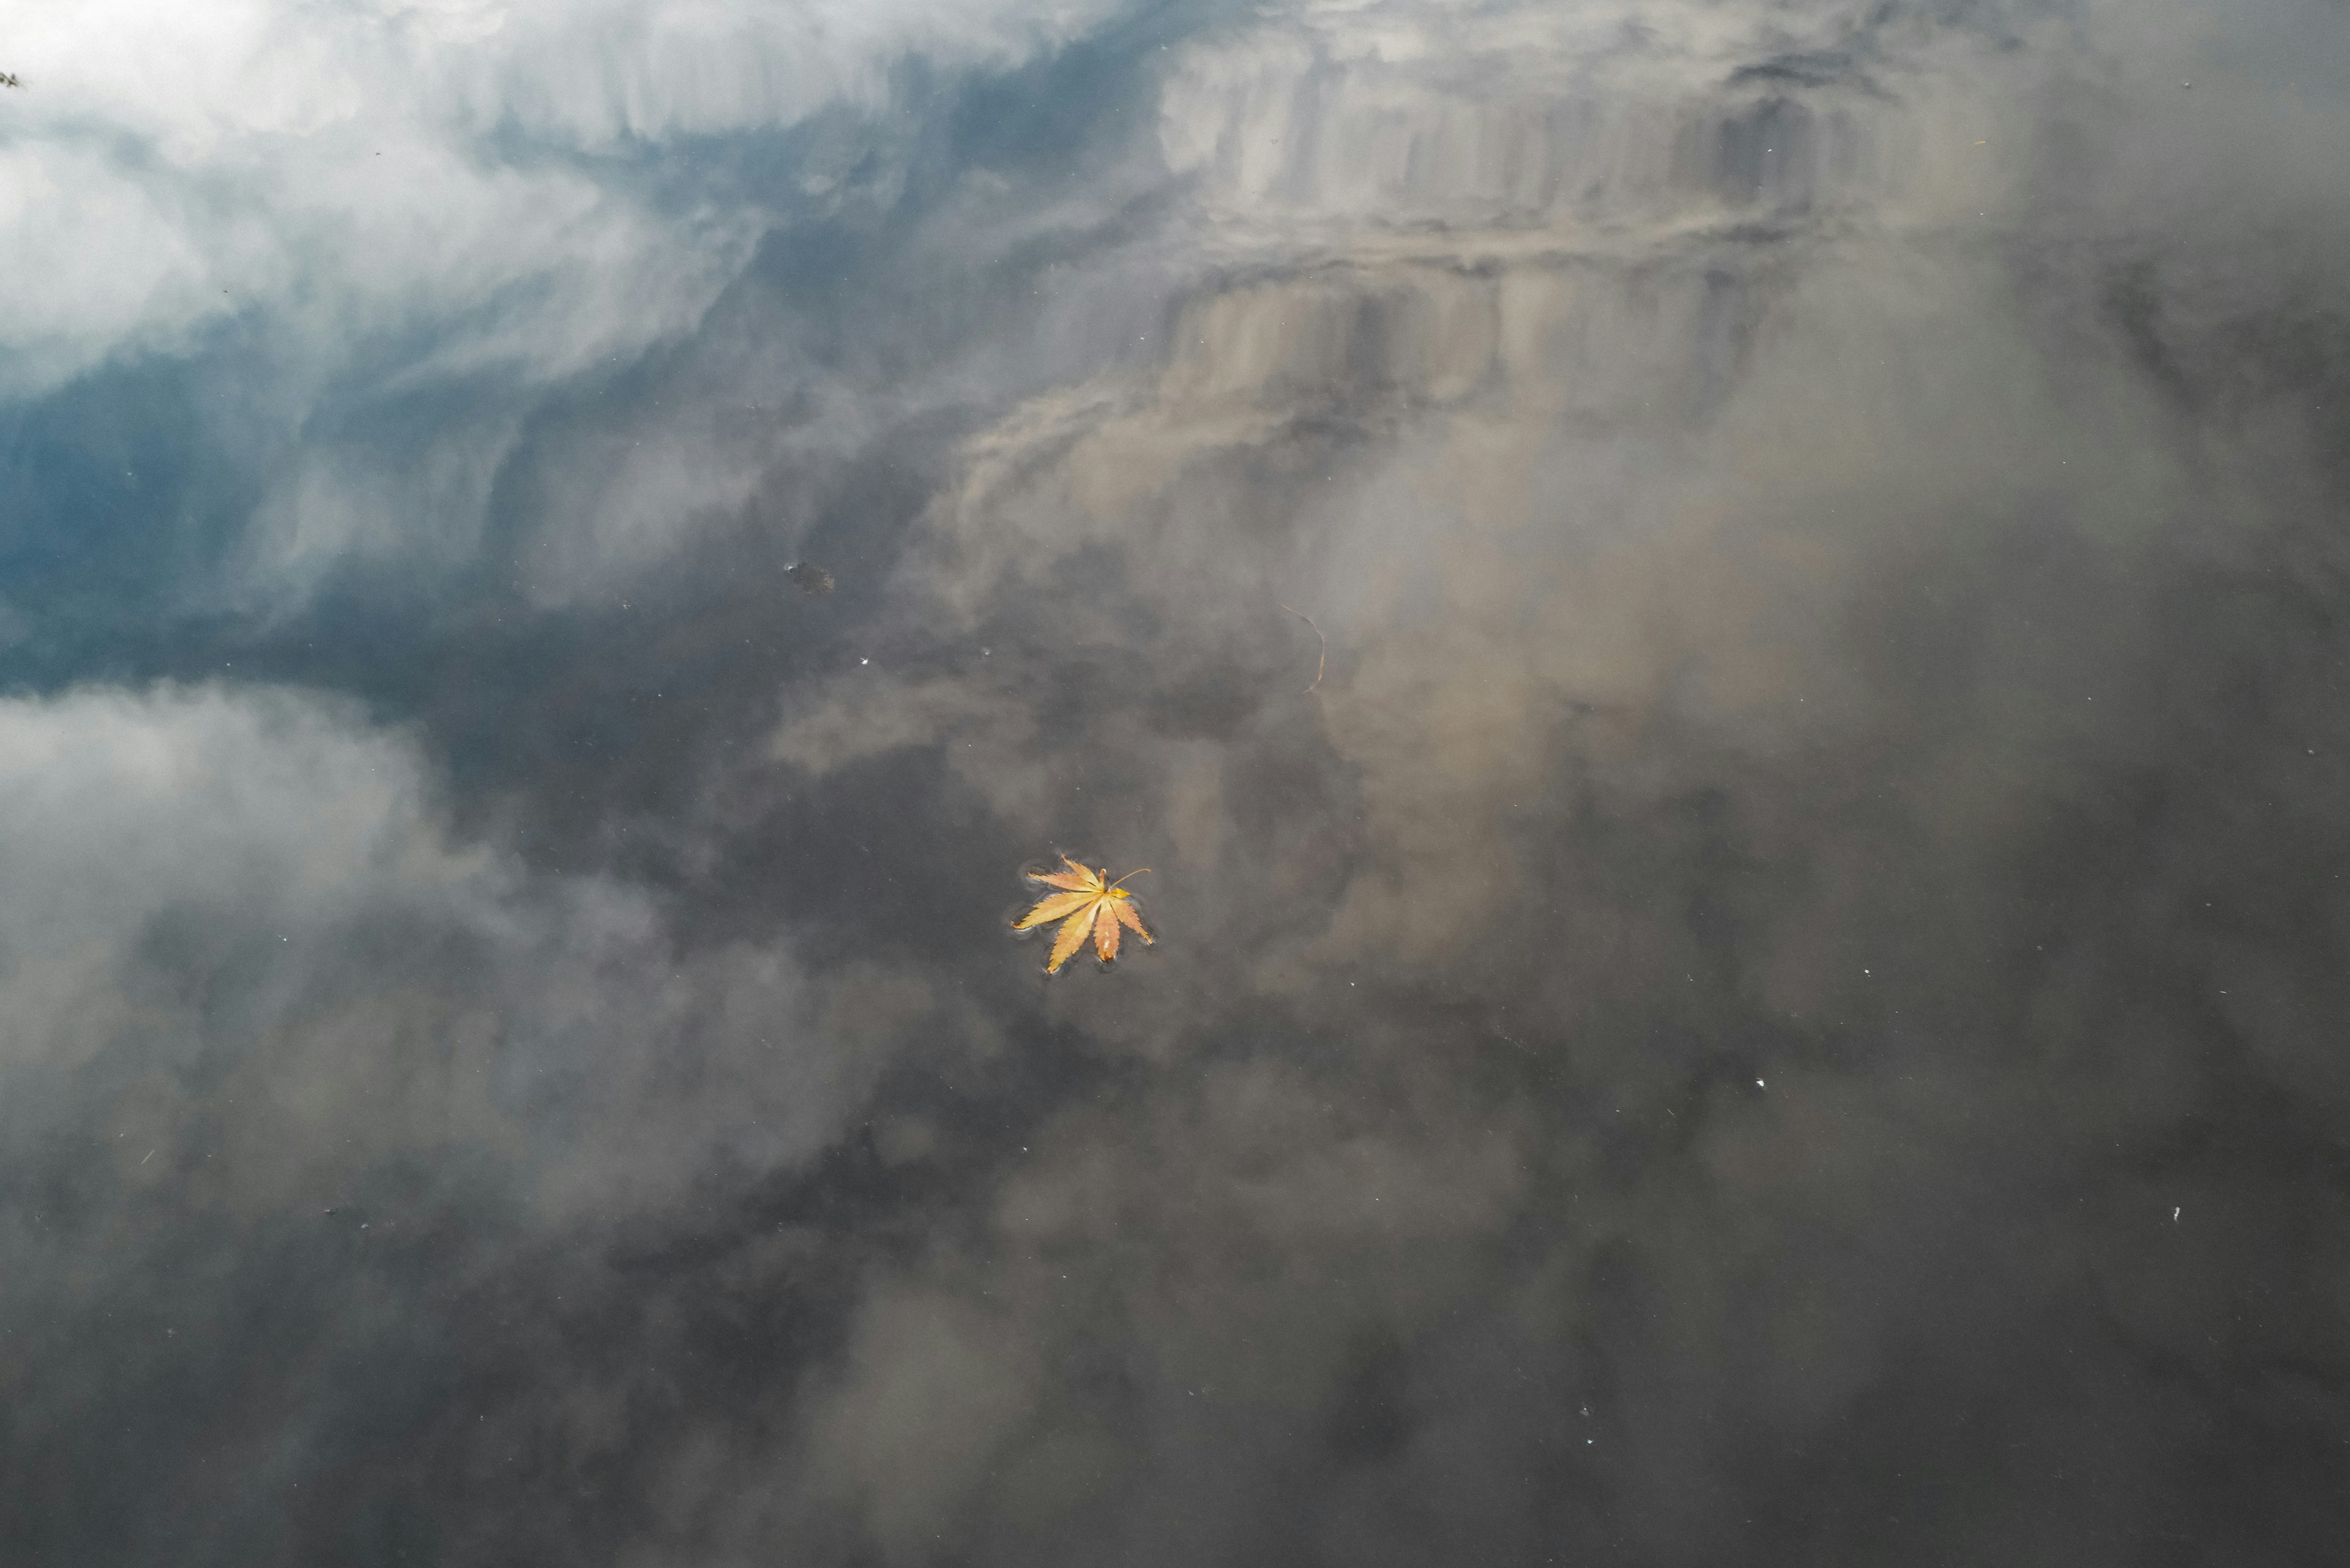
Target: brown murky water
column 1721, row 624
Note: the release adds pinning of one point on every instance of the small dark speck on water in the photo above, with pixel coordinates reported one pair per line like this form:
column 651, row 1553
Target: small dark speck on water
column 809, row 580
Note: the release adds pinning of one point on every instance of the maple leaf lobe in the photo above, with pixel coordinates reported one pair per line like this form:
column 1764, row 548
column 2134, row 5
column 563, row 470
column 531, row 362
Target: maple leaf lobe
column 1072, row 936
column 1133, row 921
column 1053, row 908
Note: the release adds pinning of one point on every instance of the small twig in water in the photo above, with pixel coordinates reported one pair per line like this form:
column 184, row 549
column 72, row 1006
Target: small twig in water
column 1321, row 658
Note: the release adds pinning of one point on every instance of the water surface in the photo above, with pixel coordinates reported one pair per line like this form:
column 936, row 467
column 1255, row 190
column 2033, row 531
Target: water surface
column 1723, row 625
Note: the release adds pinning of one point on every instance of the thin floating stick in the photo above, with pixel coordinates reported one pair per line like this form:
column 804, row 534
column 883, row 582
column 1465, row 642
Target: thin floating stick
column 1321, row 660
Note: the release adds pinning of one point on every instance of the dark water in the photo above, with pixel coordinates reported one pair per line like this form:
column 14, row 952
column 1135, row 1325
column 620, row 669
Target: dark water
column 1725, row 627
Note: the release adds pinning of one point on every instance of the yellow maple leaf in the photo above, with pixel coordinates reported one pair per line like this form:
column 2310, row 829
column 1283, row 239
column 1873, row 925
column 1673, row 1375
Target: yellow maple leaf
column 1084, row 903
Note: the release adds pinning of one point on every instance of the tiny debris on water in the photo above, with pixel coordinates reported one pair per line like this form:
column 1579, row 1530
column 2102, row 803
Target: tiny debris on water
column 809, row 579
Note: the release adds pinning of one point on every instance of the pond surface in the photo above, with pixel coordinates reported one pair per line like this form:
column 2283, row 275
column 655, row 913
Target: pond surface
column 1722, row 626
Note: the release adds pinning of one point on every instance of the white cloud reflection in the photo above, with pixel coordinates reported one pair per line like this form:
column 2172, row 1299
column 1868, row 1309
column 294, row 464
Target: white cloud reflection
column 1822, row 517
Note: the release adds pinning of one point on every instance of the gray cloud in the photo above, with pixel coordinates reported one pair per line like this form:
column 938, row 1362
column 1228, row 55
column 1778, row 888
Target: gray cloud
column 1761, row 566
column 263, row 1010
column 259, row 942
column 1776, row 1000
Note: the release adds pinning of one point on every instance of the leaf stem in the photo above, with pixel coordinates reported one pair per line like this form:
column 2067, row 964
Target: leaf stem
column 1321, row 660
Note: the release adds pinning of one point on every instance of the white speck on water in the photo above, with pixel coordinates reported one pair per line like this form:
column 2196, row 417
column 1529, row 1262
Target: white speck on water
column 2174, row 1216
column 864, row 662
column 1758, row 1083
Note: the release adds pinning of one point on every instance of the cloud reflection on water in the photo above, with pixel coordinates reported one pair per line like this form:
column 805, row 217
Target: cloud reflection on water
column 1779, row 1000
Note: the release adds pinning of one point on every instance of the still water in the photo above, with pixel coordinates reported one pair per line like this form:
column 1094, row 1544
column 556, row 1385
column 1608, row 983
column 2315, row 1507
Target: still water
column 1721, row 624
